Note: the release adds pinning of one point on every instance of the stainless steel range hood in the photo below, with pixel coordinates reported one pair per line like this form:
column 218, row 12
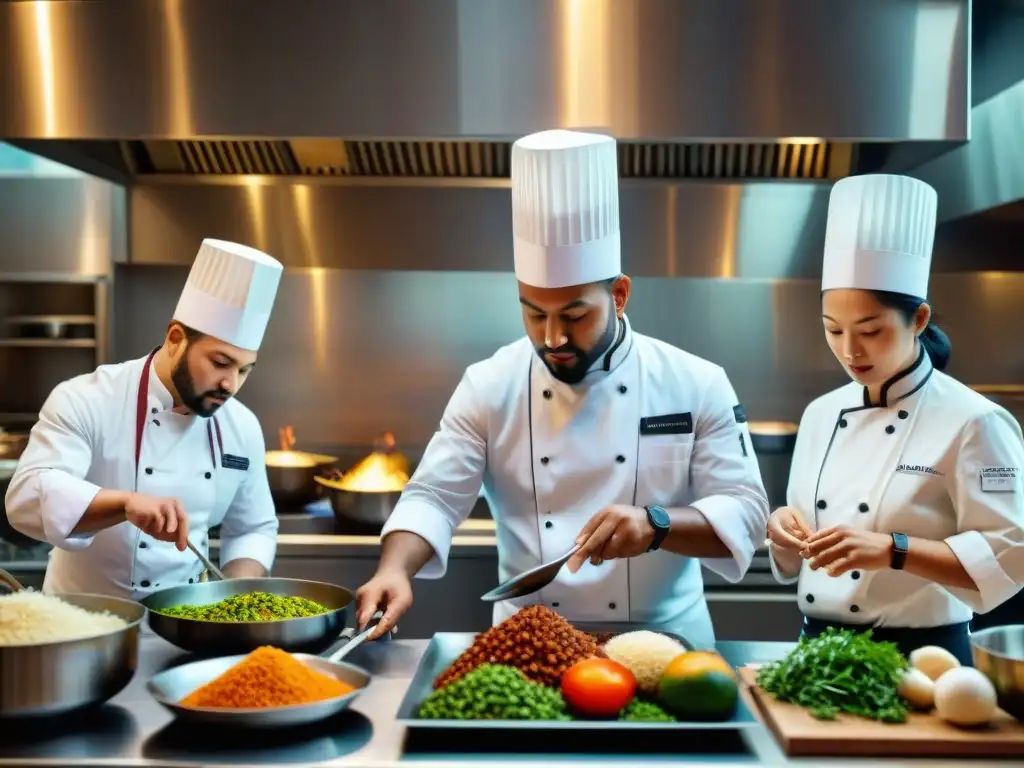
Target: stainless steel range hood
column 233, row 116
column 702, row 88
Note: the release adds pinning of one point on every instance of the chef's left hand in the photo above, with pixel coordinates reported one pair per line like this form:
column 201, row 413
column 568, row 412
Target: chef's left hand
column 840, row 549
column 615, row 531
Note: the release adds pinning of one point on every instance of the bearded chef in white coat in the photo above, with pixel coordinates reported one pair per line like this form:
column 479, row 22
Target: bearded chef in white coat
column 905, row 507
column 583, row 430
column 127, row 462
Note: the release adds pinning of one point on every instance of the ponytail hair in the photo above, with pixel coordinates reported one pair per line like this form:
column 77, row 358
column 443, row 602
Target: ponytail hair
column 934, row 340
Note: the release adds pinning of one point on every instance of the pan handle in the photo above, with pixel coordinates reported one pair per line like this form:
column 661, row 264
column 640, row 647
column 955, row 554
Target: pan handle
column 8, row 583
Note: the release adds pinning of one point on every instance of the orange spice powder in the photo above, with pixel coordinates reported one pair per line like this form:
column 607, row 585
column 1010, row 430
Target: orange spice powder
column 267, row 677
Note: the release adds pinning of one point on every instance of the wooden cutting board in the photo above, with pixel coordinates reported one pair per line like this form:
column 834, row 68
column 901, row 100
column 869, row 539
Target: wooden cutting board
column 923, row 735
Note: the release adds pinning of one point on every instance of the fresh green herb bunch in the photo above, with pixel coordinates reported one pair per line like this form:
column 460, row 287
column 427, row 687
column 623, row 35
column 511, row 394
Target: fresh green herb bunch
column 840, row 671
column 641, row 711
column 254, row 606
column 494, row 692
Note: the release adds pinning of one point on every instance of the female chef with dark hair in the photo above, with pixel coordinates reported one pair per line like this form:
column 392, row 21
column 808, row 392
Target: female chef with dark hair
column 905, row 507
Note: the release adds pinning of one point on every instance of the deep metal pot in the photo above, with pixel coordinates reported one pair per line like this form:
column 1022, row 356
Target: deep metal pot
column 367, row 507
column 311, row 634
column 12, row 444
column 294, row 484
column 57, row 677
column 999, row 653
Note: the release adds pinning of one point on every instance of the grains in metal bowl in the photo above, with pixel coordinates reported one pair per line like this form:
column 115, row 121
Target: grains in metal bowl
column 28, row 618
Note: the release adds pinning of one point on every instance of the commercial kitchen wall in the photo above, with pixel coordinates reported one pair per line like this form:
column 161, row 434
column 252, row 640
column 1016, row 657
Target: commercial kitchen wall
column 349, row 354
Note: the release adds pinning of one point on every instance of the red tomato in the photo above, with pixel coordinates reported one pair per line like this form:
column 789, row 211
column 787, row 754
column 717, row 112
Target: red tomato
column 598, row 687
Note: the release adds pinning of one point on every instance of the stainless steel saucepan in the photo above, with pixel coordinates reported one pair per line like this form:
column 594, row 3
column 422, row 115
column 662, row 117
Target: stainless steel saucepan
column 51, row 678
column 172, row 685
column 311, row 634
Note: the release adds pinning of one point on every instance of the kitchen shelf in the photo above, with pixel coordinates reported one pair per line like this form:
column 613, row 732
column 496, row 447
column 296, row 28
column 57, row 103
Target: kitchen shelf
column 51, row 343
column 38, row 319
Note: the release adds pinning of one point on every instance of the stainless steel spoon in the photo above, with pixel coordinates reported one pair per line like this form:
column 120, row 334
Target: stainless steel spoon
column 529, row 581
column 206, row 562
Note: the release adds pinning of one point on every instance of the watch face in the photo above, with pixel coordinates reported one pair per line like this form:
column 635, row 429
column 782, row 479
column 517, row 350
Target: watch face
column 658, row 516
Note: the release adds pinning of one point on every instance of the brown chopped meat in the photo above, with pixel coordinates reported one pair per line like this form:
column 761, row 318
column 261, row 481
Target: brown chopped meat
column 536, row 640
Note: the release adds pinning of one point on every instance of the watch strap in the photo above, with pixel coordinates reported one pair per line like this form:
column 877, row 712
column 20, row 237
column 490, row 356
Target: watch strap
column 660, row 529
column 900, row 545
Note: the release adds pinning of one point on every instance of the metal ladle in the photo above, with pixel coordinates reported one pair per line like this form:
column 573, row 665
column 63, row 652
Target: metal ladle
column 530, row 581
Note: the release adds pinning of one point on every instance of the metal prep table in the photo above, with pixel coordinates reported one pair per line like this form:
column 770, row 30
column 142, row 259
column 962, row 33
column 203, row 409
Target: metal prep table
column 132, row 730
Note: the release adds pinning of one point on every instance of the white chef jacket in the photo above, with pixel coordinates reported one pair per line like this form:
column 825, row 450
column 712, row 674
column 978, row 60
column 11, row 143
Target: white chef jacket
column 650, row 424
column 933, row 460
column 84, row 441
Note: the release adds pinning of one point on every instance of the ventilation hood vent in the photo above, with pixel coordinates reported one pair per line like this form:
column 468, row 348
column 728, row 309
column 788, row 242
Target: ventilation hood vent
column 477, row 160
column 702, row 89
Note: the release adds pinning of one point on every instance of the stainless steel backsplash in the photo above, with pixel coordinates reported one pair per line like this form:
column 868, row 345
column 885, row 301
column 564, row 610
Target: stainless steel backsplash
column 349, row 354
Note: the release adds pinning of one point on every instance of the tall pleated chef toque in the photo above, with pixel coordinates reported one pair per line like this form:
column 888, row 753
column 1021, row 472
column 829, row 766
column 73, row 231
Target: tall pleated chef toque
column 565, row 208
column 879, row 234
column 230, row 293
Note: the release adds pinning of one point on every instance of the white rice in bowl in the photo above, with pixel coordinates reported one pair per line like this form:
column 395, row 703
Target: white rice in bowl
column 29, row 618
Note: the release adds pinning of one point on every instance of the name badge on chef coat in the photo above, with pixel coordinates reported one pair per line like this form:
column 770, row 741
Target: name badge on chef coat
column 999, row 479
column 670, row 424
column 234, row 462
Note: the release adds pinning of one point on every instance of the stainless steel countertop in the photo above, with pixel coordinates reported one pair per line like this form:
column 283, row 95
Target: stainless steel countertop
column 132, row 730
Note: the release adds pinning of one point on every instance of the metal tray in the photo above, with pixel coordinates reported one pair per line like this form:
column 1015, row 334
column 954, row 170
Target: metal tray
column 445, row 647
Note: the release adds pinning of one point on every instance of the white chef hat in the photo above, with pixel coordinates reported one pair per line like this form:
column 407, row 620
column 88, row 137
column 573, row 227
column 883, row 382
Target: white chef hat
column 230, row 293
column 879, row 235
column 565, row 208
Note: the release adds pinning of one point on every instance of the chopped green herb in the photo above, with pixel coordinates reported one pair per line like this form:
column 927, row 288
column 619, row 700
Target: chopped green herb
column 641, row 711
column 840, row 671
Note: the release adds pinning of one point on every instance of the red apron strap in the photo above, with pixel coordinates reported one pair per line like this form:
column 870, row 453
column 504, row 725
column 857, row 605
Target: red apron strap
column 141, row 403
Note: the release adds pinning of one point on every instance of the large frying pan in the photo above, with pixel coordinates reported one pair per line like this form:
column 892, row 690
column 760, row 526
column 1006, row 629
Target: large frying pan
column 311, row 634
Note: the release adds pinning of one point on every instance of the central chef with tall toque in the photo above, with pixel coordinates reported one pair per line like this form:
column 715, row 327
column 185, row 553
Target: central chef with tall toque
column 126, row 462
column 905, row 508
column 583, row 430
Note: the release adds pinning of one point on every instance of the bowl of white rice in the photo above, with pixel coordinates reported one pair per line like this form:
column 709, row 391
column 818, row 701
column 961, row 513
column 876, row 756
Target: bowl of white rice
column 60, row 652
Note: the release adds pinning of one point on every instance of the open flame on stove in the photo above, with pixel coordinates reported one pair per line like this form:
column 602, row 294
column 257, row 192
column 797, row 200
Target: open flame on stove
column 385, row 469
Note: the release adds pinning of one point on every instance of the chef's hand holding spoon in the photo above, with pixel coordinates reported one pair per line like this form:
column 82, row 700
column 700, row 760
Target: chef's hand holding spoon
column 162, row 518
column 615, row 531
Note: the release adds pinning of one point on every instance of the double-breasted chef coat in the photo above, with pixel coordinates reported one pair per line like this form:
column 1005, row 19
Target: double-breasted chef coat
column 934, row 460
column 84, row 441
column 650, row 424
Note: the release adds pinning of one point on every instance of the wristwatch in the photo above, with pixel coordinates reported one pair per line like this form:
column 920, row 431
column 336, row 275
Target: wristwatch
column 900, row 545
column 660, row 522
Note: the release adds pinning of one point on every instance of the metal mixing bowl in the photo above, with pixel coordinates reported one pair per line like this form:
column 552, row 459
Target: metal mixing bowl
column 56, row 677
column 999, row 653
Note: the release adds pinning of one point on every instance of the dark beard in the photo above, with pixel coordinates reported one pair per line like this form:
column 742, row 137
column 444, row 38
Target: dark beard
column 575, row 373
column 181, row 377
